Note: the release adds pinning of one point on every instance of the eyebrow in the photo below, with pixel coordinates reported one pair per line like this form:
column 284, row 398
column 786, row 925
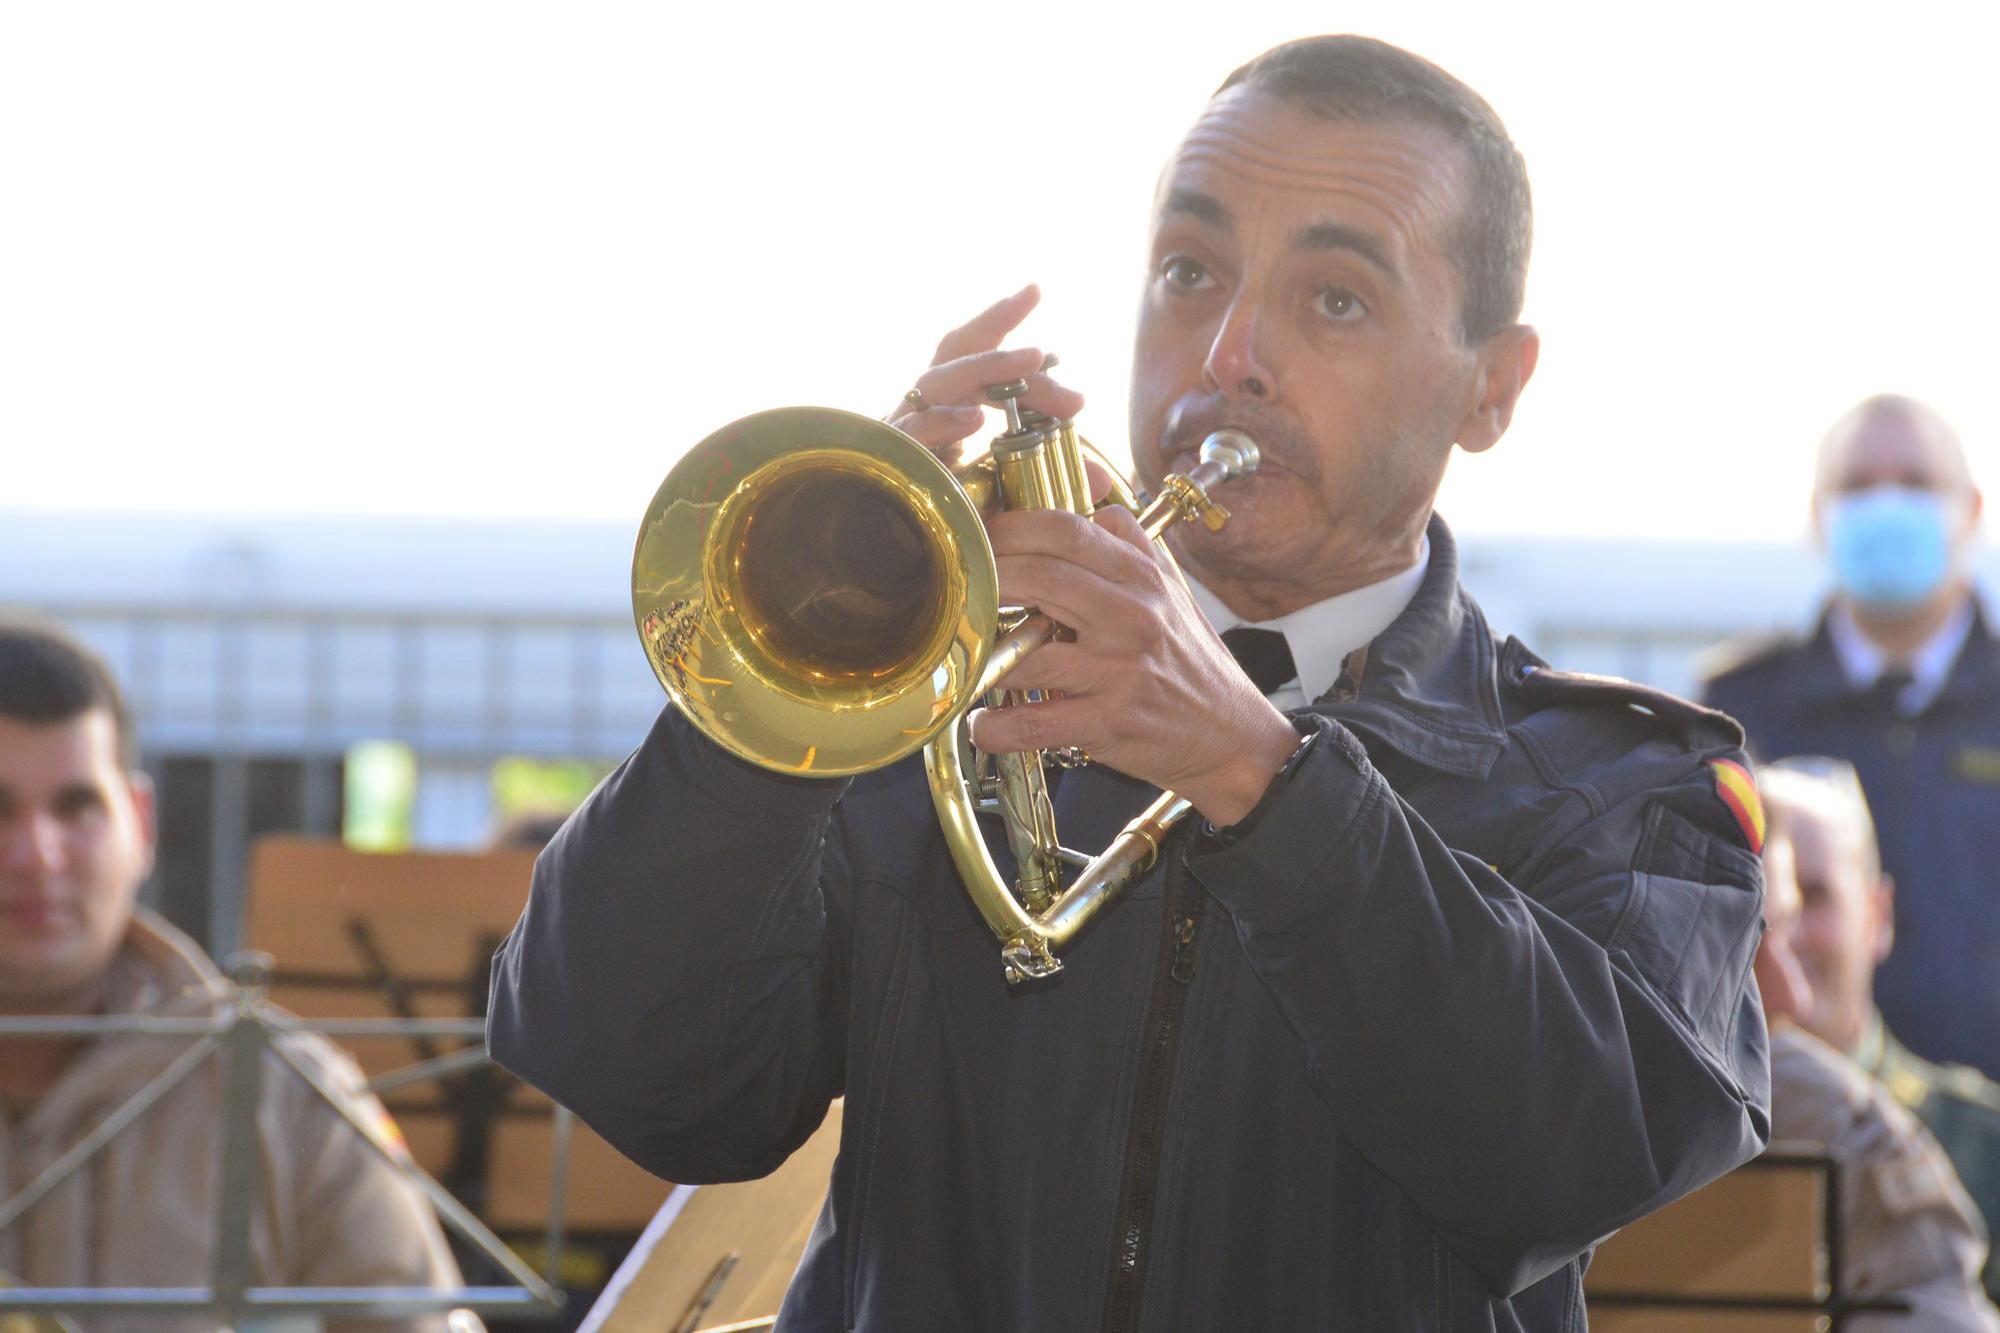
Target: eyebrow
column 1201, row 207
column 1337, row 236
column 1319, row 236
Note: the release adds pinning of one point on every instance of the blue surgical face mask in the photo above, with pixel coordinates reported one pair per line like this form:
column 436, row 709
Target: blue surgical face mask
column 1891, row 546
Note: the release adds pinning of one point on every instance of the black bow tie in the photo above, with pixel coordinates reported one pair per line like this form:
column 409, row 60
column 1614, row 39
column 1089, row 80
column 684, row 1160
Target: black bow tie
column 1263, row 654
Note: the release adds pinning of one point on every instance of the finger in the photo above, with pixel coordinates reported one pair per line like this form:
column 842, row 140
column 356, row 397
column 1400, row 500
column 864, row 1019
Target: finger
column 1056, row 665
column 1079, row 541
column 1124, row 525
column 985, row 330
column 1065, row 593
column 1101, row 480
column 967, row 380
column 938, row 428
column 1037, row 726
column 962, row 382
column 1052, row 399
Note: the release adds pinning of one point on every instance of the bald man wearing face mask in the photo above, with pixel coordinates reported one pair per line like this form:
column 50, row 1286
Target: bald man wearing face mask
column 1901, row 678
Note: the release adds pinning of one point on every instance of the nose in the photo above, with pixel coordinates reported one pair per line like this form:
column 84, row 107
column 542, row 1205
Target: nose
column 1237, row 362
column 31, row 843
column 1781, row 980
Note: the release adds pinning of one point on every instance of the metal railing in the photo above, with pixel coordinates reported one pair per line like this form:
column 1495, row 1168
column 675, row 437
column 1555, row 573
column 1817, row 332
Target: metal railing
column 251, row 1029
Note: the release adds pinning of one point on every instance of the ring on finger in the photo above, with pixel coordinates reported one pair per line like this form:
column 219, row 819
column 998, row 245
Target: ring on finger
column 915, row 398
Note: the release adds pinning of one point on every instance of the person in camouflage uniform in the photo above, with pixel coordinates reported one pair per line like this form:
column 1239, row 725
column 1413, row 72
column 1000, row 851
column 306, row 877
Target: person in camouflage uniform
column 1845, row 928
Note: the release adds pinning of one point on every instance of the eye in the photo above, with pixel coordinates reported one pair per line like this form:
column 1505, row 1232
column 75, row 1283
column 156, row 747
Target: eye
column 74, row 803
column 1183, row 273
column 1338, row 303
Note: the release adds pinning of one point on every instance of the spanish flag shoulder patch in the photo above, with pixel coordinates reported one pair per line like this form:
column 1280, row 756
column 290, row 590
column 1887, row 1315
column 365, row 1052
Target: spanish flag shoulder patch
column 381, row 1127
column 1738, row 791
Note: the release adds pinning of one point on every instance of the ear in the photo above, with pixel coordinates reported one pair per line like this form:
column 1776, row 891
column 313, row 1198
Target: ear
column 145, row 808
column 1506, row 363
column 1965, row 532
column 1884, row 901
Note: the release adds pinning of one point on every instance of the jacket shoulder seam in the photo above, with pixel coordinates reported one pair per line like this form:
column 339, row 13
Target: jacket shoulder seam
column 1682, row 718
column 1551, row 773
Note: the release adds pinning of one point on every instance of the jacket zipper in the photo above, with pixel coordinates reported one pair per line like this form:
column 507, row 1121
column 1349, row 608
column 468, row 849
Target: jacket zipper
column 1138, row 1190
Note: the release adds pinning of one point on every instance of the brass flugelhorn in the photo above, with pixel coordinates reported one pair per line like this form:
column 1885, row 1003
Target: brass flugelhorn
column 815, row 591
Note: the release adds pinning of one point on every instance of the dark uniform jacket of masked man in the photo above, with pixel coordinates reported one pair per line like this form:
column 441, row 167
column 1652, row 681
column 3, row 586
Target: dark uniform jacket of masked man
column 1933, row 782
column 1469, row 990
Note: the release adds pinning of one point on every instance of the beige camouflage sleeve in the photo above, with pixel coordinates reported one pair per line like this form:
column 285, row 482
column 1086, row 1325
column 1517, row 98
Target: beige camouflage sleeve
column 356, row 1221
column 1910, row 1228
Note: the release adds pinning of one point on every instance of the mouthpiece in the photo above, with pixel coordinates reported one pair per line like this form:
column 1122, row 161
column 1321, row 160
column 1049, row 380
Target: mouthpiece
column 1225, row 455
column 1232, row 451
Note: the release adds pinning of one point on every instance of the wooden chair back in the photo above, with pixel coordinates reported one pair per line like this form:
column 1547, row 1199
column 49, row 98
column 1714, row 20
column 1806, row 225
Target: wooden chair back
column 1758, row 1233
column 383, row 935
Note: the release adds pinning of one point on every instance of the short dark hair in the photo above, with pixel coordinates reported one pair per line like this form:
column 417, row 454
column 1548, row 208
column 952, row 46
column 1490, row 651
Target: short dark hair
column 1360, row 79
column 47, row 675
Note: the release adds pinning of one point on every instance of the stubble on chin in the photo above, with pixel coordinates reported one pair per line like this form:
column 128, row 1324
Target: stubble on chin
column 1254, row 547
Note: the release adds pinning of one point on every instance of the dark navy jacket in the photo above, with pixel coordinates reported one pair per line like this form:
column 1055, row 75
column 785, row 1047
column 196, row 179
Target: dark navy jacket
column 1933, row 782
column 1471, row 991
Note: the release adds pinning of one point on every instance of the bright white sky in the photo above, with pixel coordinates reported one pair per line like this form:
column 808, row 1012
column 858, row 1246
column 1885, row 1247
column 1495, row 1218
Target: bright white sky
column 506, row 259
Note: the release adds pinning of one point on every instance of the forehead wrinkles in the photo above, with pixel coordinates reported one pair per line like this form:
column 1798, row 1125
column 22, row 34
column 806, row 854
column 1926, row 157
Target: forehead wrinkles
column 1394, row 171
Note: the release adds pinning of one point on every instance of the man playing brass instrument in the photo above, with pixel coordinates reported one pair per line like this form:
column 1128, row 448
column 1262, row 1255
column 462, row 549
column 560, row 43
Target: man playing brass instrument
column 1451, row 977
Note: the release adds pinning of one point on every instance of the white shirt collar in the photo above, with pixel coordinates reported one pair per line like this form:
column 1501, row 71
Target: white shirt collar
column 1323, row 634
column 1862, row 660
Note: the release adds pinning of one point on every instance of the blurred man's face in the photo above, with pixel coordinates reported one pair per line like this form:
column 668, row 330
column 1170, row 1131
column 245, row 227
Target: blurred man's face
column 1843, row 928
column 1896, row 510
column 1780, row 980
column 76, row 840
